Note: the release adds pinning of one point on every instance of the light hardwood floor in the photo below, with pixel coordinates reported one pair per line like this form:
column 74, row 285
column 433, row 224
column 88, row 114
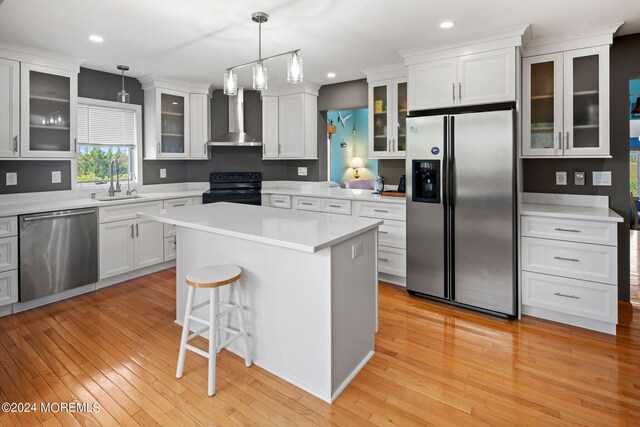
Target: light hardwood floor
column 434, row 364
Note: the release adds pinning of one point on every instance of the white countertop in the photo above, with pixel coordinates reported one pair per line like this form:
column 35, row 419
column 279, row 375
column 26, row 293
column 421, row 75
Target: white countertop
column 21, row 208
column 334, row 193
column 303, row 231
column 571, row 212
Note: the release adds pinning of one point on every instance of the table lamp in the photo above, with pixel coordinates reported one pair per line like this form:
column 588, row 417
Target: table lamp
column 356, row 163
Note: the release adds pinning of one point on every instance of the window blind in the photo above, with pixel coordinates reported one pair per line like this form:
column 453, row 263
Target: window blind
column 106, row 126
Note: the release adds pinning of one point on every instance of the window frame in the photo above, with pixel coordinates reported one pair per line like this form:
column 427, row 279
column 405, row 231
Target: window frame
column 137, row 150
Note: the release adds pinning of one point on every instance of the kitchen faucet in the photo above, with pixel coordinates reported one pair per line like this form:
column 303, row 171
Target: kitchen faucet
column 130, row 190
column 117, row 189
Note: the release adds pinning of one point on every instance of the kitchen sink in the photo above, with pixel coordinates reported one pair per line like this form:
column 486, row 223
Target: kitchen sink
column 115, row 198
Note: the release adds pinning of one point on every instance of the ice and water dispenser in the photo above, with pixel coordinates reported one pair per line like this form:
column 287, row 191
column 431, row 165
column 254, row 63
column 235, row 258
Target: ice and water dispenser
column 426, row 181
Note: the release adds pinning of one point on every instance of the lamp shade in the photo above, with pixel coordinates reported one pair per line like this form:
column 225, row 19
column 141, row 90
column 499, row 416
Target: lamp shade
column 356, row 163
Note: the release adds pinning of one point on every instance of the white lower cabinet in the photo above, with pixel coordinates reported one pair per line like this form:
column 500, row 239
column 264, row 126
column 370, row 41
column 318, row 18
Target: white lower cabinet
column 8, row 287
column 170, row 246
column 148, row 247
column 116, row 248
column 392, row 261
column 8, row 260
column 569, row 271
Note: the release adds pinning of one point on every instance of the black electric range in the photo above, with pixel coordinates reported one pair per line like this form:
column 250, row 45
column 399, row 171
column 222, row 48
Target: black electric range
column 234, row 187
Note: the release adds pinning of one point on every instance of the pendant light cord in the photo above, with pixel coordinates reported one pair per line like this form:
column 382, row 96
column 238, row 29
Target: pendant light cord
column 260, row 40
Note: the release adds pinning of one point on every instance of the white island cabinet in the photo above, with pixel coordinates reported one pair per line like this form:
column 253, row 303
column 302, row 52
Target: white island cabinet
column 309, row 285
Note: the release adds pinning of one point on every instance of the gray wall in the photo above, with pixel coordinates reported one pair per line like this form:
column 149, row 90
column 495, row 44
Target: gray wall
column 35, row 175
column 539, row 175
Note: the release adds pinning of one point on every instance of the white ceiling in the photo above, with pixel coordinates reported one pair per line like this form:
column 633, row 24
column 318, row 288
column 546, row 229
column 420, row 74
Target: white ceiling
column 195, row 40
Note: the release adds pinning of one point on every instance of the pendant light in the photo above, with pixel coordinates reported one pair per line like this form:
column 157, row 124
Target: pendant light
column 260, row 75
column 123, row 96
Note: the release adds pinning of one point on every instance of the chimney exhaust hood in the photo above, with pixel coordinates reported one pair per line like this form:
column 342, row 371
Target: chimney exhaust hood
column 236, row 135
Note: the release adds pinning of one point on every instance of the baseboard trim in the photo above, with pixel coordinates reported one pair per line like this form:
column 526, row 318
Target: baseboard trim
column 114, row 280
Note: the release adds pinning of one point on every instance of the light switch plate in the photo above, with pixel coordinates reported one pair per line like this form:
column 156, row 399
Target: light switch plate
column 12, row 178
column 302, row 171
column 602, row 178
column 356, row 250
column 163, row 173
column 56, row 177
column 578, row 178
column 561, row 178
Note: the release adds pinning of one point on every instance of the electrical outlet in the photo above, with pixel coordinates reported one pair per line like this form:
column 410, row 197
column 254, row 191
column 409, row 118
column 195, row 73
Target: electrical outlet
column 12, row 178
column 578, row 178
column 561, row 178
column 56, row 177
column 302, row 171
column 356, row 250
column 602, row 178
column 163, row 173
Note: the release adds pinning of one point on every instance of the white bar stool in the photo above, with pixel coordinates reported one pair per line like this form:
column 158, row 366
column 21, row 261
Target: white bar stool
column 212, row 278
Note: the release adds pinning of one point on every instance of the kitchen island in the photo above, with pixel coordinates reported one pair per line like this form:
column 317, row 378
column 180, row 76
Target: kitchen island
column 309, row 284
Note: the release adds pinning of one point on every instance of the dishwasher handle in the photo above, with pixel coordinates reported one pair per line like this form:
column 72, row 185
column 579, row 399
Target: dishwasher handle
column 57, row 215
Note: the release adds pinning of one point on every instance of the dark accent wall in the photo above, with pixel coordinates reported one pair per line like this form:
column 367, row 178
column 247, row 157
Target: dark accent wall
column 391, row 170
column 539, row 175
column 35, row 175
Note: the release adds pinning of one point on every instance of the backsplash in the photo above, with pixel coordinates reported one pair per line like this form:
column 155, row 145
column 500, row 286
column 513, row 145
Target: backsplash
column 34, row 175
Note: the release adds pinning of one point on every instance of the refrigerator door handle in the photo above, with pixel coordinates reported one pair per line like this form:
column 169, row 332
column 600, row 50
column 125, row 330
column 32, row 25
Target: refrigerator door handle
column 451, row 208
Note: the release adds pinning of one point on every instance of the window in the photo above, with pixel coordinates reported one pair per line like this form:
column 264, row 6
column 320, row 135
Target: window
column 106, row 131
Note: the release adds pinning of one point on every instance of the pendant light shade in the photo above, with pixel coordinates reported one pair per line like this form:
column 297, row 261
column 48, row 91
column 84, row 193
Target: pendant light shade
column 260, row 77
column 230, row 83
column 294, row 68
column 123, row 96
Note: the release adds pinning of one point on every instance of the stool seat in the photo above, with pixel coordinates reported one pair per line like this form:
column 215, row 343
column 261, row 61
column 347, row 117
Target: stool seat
column 213, row 276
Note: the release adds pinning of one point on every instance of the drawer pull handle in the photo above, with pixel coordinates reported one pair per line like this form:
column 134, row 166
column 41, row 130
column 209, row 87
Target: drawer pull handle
column 383, row 232
column 383, row 259
column 568, row 230
column 558, row 294
column 381, row 210
column 335, row 206
column 179, row 204
column 566, row 259
column 306, row 203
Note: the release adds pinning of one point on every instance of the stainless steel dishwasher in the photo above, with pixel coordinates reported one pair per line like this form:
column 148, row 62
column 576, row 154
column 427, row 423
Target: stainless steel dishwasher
column 58, row 251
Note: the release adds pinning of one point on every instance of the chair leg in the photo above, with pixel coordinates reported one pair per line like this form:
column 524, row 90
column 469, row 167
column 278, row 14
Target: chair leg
column 185, row 333
column 213, row 337
column 243, row 327
column 217, row 325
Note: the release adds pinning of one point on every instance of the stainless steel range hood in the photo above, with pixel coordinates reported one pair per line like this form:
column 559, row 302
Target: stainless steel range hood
column 236, row 135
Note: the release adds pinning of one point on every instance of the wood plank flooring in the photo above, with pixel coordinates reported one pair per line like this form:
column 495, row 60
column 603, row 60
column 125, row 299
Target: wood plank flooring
column 434, row 365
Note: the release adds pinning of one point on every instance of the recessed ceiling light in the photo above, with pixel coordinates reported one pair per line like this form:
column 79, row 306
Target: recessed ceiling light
column 331, row 75
column 446, row 24
column 96, row 38
column 174, row 103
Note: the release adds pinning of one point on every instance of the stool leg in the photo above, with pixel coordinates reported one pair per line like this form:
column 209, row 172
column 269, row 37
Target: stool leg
column 243, row 328
column 213, row 336
column 185, row 332
column 217, row 323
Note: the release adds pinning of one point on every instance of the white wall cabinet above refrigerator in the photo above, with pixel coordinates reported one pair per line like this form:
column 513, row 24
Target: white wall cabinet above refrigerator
column 566, row 103
column 177, row 121
column 479, row 78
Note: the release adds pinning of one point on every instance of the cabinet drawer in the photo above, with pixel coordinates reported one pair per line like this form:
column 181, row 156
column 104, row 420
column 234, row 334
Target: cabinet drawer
column 336, row 206
column 9, row 226
column 8, row 287
column 568, row 296
column 381, row 210
column 169, row 248
column 8, row 253
column 307, row 203
column 196, row 200
column 170, row 229
column 392, row 261
column 598, row 232
column 280, row 202
column 128, row 211
column 595, row 263
column 393, row 233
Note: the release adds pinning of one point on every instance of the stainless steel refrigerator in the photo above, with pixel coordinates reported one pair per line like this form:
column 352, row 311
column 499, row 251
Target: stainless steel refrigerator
column 461, row 235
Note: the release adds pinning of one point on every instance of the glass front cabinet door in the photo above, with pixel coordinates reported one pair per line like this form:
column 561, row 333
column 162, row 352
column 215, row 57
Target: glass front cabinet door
column 566, row 104
column 387, row 118
column 48, row 112
column 173, row 120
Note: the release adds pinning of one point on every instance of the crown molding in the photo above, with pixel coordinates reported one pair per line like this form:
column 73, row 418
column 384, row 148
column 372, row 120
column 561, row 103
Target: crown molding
column 152, row 81
column 40, row 57
column 572, row 40
column 385, row 72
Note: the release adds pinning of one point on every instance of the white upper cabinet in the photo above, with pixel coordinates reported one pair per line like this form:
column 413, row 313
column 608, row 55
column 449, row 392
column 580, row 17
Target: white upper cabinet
column 290, row 124
column 478, row 78
column 200, row 125
column 433, row 84
column 566, row 103
column 49, row 97
column 9, row 108
column 270, row 120
column 388, row 118
column 177, row 121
